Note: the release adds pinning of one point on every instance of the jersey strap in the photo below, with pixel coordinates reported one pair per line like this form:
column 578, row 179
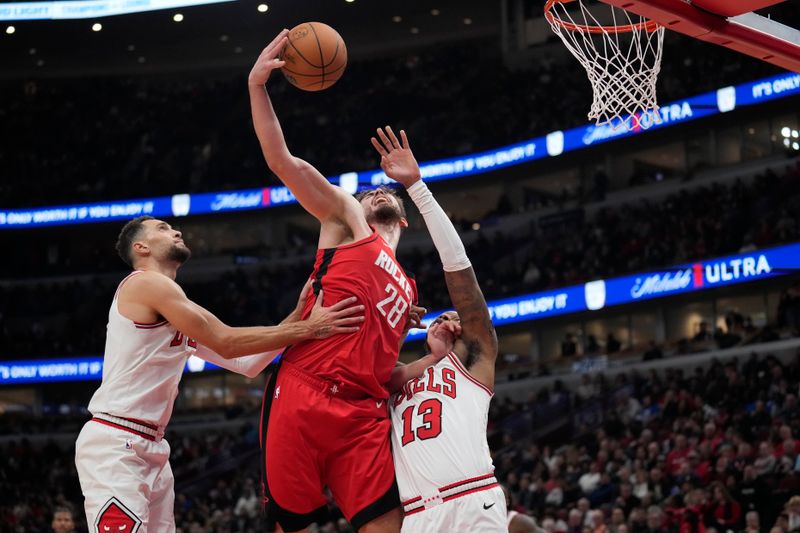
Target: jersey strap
column 460, row 366
column 126, row 278
column 450, row 492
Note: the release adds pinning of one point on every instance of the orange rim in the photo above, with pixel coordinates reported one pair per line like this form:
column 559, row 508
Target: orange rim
column 648, row 25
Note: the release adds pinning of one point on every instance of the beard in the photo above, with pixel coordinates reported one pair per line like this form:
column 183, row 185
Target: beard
column 179, row 254
column 384, row 214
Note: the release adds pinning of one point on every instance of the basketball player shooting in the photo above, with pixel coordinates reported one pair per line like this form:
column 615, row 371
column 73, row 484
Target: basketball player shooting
column 153, row 328
column 444, row 469
column 325, row 417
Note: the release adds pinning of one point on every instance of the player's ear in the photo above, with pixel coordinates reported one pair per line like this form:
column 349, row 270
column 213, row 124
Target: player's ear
column 403, row 222
column 140, row 249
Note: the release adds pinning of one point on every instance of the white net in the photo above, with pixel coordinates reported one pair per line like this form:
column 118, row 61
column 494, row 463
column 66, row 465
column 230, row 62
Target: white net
column 621, row 53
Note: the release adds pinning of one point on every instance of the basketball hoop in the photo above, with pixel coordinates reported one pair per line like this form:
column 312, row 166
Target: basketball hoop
column 621, row 55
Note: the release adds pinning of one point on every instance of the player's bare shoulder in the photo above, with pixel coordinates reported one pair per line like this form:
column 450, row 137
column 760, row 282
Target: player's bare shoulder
column 139, row 293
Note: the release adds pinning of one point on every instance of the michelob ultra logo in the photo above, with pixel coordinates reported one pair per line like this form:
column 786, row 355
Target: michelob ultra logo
column 730, row 270
column 661, row 283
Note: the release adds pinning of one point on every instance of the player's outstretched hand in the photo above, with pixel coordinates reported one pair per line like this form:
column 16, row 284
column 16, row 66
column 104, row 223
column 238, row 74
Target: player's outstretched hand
column 415, row 314
column 341, row 317
column 397, row 159
column 268, row 60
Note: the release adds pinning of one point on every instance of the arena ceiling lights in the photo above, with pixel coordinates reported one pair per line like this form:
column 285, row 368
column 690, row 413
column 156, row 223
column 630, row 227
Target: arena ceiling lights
column 84, row 9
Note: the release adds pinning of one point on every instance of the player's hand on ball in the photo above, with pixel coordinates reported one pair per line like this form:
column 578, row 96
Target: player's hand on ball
column 397, row 159
column 341, row 317
column 268, row 60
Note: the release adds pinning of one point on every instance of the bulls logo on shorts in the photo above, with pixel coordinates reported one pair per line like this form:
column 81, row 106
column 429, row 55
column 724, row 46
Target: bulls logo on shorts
column 116, row 518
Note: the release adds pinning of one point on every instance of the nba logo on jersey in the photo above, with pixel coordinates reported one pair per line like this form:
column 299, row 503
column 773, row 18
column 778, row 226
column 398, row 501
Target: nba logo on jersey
column 115, row 517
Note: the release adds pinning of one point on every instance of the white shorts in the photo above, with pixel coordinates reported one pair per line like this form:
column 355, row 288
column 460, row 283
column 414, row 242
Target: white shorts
column 483, row 512
column 126, row 481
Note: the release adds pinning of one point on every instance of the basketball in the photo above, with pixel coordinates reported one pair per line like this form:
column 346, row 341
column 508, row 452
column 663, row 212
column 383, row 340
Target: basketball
column 315, row 56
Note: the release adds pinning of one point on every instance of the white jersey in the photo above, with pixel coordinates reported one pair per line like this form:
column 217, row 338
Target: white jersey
column 142, row 366
column 439, row 432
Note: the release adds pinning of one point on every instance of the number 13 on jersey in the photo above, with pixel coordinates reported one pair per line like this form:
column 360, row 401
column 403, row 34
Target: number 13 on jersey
column 431, row 412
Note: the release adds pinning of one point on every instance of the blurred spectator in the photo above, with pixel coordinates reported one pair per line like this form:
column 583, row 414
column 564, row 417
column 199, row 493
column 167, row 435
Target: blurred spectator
column 793, row 514
column 62, row 520
column 653, row 352
column 568, row 346
column 612, row 344
column 727, row 512
column 752, row 524
column 704, row 334
column 789, row 309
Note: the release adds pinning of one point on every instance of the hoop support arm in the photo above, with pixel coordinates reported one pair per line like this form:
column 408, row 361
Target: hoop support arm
column 749, row 34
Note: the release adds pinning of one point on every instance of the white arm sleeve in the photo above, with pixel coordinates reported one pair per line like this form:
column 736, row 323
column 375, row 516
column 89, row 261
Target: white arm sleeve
column 444, row 235
column 249, row 365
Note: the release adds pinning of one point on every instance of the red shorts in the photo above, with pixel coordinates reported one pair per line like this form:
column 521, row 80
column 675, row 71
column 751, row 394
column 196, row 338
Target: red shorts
column 318, row 434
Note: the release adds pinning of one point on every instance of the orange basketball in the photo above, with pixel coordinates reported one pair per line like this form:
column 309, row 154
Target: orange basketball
column 315, row 56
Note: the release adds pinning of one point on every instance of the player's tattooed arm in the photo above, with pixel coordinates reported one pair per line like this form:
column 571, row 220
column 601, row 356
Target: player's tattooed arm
column 398, row 162
column 478, row 334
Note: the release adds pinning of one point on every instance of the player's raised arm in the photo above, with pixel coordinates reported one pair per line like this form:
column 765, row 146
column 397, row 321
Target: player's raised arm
column 398, row 162
column 316, row 194
column 156, row 292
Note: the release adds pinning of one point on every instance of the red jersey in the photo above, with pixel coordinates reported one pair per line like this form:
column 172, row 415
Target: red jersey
column 361, row 361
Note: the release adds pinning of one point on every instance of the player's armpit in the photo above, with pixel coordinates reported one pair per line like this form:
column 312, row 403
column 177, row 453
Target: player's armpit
column 477, row 330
